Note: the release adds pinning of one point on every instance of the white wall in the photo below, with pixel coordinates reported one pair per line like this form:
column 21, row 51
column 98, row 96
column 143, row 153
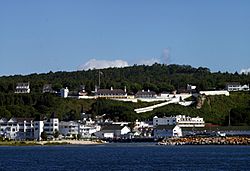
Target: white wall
column 214, row 93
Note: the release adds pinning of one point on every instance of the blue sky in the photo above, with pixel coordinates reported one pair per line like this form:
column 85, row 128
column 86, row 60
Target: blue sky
column 42, row 36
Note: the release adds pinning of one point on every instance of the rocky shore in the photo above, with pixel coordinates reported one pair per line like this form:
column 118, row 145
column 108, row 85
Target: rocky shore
column 206, row 141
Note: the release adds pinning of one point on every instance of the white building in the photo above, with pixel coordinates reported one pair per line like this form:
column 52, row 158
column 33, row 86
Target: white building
column 113, row 131
column 22, row 88
column 49, row 126
column 190, row 87
column 186, row 121
column 72, row 128
column 64, row 92
column 68, row 129
column 163, row 131
column 87, row 131
column 17, row 128
column 111, row 93
column 181, row 120
column 215, row 93
column 236, row 87
column 164, row 121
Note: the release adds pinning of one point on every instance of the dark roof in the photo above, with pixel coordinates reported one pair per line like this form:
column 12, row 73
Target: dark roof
column 23, row 84
column 24, row 119
column 165, row 127
column 233, row 83
column 112, row 127
column 110, row 92
column 143, row 93
column 53, row 115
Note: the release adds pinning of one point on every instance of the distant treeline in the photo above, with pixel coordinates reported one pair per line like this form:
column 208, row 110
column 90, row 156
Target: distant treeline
column 157, row 78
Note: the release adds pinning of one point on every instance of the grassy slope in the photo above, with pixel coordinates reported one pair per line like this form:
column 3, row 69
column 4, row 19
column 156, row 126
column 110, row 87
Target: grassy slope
column 215, row 108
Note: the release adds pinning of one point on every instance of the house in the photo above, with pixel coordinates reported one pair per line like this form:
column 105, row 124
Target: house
column 145, row 94
column 235, row 86
column 113, row 131
column 50, row 126
column 163, row 131
column 111, row 93
column 181, row 120
column 47, row 88
column 23, row 88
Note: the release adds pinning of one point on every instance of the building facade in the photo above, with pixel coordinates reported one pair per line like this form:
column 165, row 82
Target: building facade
column 236, row 87
column 111, row 93
column 17, row 128
column 23, row 88
column 181, row 120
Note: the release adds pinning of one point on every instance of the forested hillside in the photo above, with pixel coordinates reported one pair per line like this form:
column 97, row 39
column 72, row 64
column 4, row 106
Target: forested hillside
column 216, row 109
column 157, row 77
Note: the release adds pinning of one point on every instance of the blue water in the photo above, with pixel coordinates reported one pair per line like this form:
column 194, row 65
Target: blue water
column 125, row 157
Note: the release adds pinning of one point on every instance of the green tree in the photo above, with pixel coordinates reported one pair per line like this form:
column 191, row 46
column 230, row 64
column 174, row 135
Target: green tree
column 44, row 136
column 56, row 134
column 79, row 136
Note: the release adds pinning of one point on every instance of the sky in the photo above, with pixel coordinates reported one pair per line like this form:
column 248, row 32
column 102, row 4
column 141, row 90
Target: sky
column 62, row 35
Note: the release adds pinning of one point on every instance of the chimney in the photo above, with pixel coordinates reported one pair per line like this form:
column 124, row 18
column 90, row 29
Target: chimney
column 148, row 90
column 125, row 89
column 111, row 88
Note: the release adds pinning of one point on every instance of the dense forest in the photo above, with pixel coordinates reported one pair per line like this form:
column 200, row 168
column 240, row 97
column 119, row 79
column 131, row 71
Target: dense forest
column 158, row 77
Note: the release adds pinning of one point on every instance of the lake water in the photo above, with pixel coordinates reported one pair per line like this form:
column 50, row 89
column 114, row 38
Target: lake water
column 125, row 157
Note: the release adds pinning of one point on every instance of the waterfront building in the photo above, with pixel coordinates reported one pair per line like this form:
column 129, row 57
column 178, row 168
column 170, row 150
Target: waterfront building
column 23, row 88
column 50, row 126
column 68, row 129
column 17, row 128
column 181, row 120
column 86, row 131
column 163, row 131
column 113, row 131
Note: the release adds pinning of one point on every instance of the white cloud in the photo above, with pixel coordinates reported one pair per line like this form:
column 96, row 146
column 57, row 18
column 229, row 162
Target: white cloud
column 99, row 64
column 149, row 61
column 245, row 71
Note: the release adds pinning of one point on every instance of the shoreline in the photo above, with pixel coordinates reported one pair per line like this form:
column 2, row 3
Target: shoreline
column 47, row 143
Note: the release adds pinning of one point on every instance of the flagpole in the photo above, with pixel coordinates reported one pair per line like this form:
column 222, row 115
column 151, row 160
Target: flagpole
column 99, row 80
